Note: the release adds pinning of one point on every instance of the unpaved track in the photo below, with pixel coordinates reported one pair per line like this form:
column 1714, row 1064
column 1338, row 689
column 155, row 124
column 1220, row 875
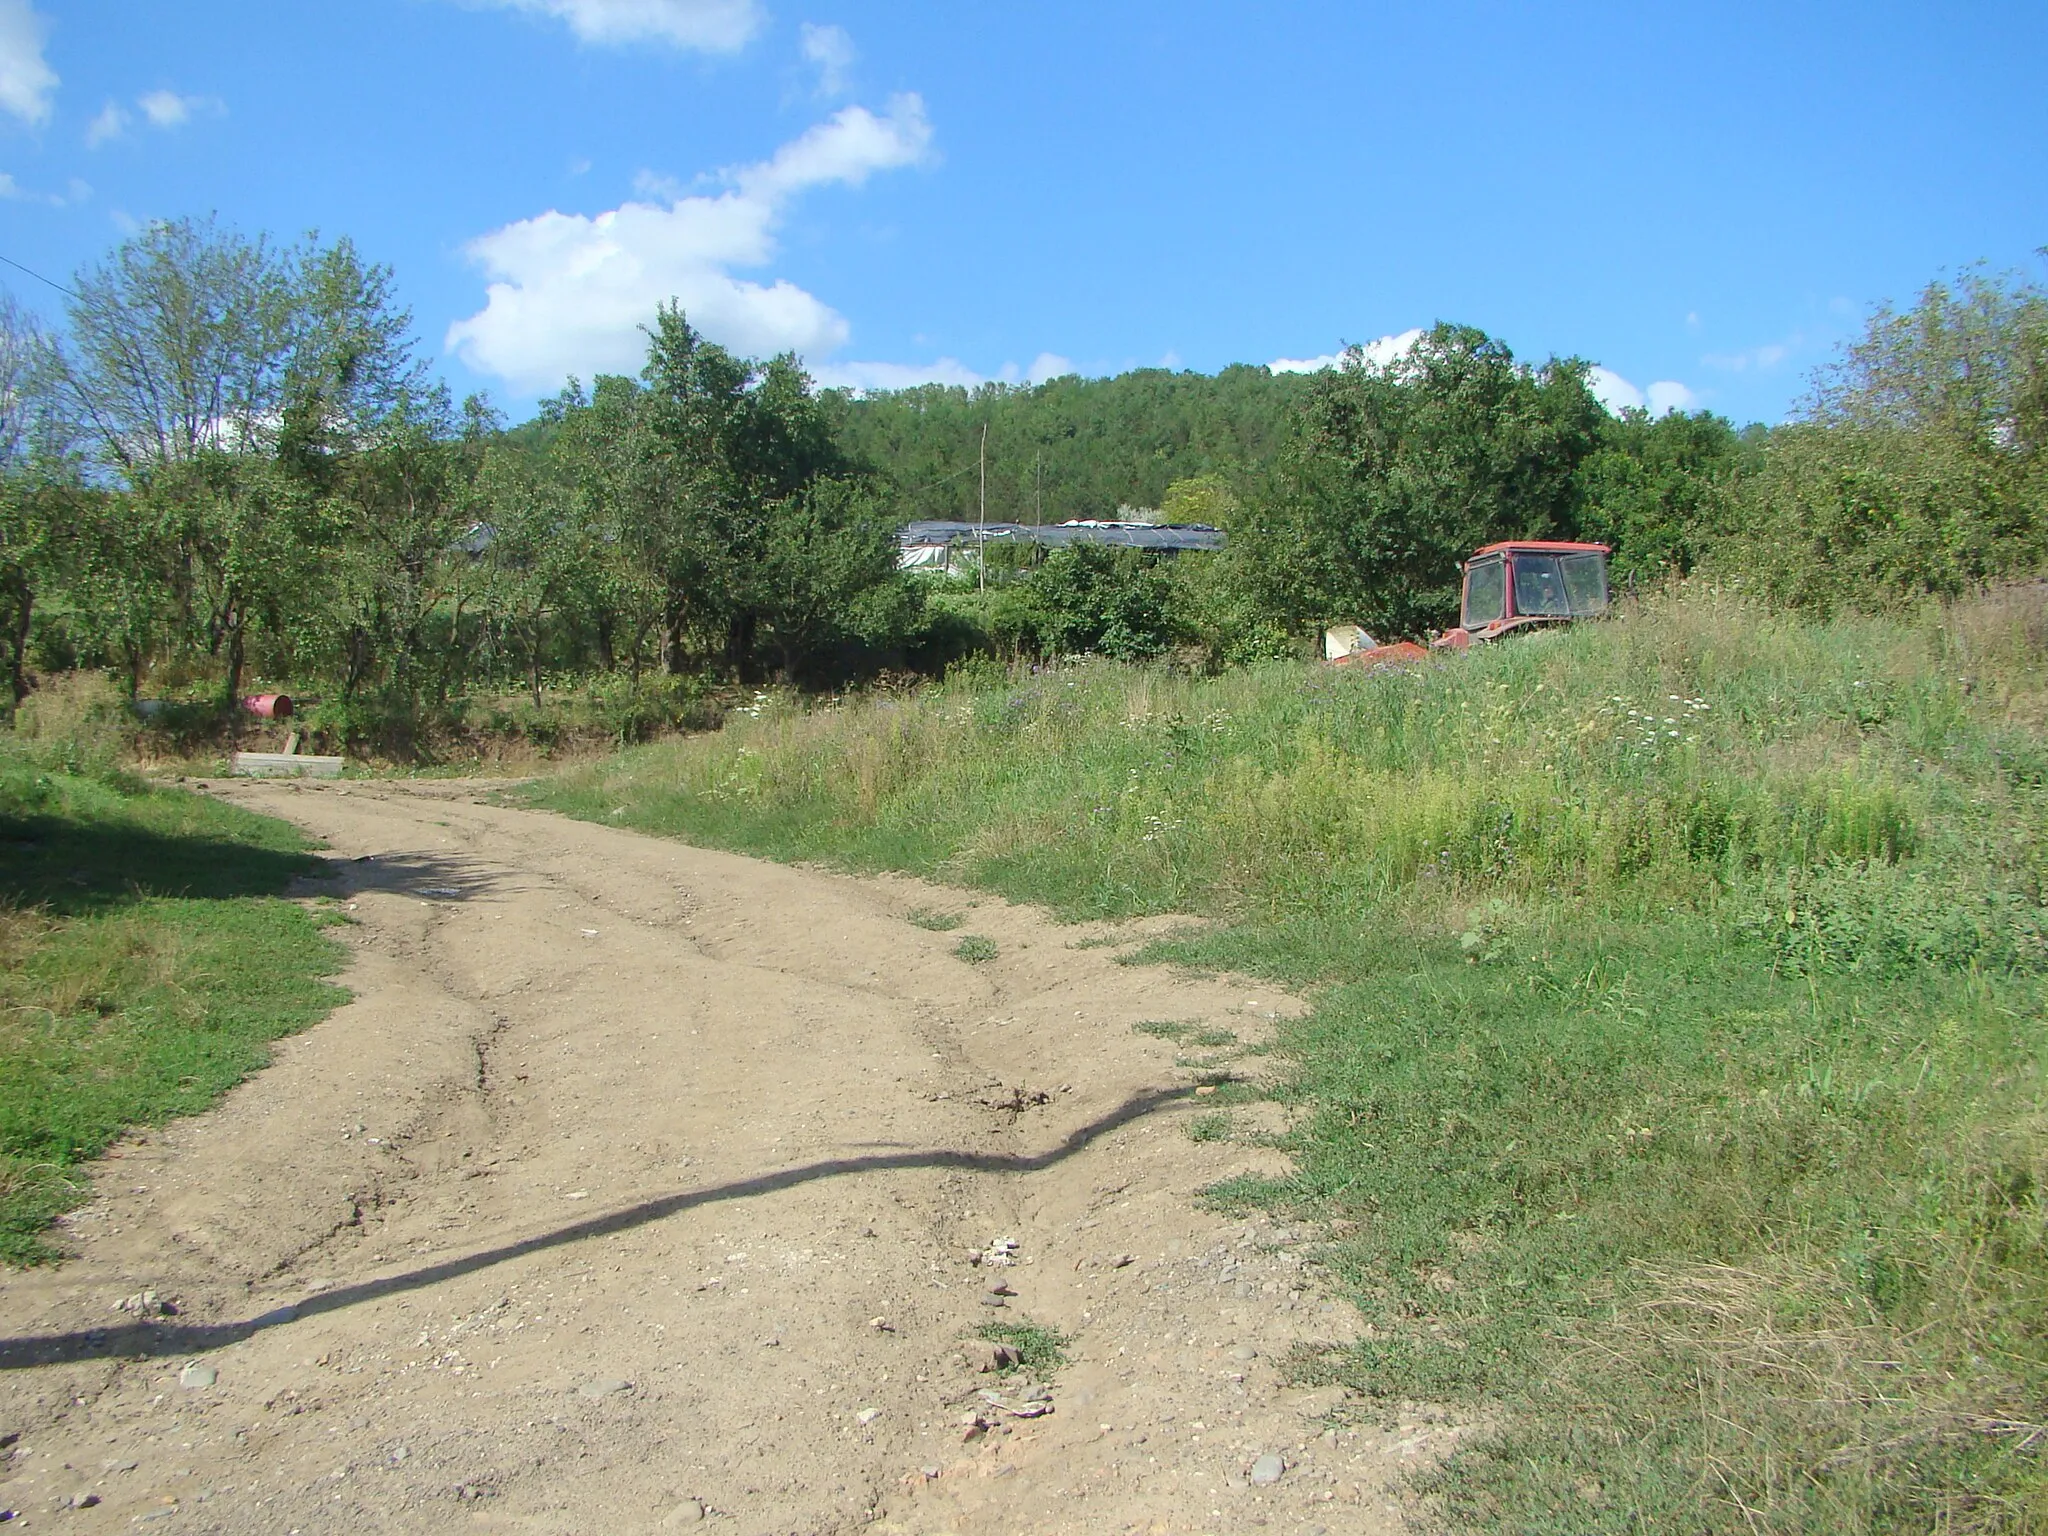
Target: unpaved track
column 636, row 1191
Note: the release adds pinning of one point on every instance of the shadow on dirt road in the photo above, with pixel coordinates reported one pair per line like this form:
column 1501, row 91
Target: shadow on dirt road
column 151, row 1340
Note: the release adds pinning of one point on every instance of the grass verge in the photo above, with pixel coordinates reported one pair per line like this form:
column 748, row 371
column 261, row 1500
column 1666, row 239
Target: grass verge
column 1674, row 1082
column 145, row 963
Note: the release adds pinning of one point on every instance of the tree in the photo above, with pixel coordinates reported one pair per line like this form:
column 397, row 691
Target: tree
column 824, row 547
column 250, row 549
column 1395, row 473
column 1067, row 448
column 38, row 492
column 1091, row 598
column 1968, row 363
column 397, row 504
column 1661, row 490
column 707, row 474
column 1207, row 498
column 191, row 338
column 1855, row 517
column 236, row 388
column 1922, row 463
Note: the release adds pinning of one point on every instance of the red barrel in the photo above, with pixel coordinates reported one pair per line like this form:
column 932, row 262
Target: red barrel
column 269, row 706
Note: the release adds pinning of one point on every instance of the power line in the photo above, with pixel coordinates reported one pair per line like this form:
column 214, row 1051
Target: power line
column 38, row 276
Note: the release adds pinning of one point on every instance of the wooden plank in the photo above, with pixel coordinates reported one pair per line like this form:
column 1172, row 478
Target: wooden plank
column 262, row 765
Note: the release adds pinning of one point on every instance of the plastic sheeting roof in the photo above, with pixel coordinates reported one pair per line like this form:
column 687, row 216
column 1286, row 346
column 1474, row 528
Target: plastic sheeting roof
column 1059, row 535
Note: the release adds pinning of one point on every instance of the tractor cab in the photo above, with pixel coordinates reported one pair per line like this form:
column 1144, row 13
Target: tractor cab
column 1521, row 584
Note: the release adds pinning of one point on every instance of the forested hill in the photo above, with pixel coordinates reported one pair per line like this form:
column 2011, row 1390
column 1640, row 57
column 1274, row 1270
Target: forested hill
column 1071, row 447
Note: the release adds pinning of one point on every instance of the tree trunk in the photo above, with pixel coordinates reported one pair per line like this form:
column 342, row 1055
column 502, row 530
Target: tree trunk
column 17, row 640
column 739, row 644
column 672, row 641
column 358, row 661
column 235, row 659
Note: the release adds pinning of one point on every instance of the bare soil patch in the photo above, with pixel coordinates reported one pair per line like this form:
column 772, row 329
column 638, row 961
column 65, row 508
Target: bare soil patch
column 643, row 1187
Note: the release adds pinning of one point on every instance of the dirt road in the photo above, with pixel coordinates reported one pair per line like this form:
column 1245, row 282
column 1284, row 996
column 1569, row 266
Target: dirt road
column 639, row 1188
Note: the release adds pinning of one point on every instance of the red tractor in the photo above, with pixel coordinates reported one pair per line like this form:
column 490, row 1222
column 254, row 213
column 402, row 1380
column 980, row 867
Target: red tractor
column 1517, row 584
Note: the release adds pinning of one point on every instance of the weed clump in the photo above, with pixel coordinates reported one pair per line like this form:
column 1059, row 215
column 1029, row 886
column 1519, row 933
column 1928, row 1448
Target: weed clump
column 1164, row 1029
column 1040, row 1350
column 975, row 949
column 77, row 722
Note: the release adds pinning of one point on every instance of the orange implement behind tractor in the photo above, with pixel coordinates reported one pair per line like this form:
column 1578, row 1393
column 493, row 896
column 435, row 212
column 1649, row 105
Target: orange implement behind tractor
column 1514, row 585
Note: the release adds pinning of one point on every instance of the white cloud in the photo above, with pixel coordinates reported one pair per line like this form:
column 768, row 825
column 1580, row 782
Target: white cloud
column 831, row 50
column 867, row 376
column 1377, row 354
column 164, row 110
column 27, row 83
column 1763, row 358
column 167, row 109
column 1613, row 391
column 1048, row 365
column 947, row 370
column 658, row 186
column 569, row 292
column 1618, row 395
column 848, row 148
column 710, row 26
column 111, row 123
column 13, row 191
column 1668, row 395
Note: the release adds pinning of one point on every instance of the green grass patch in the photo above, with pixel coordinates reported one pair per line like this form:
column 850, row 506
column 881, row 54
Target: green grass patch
column 145, row 963
column 1164, row 1029
column 1673, row 1092
column 1040, row 1350
column 1211, row 1127
column 975, row 949
column 932, row 920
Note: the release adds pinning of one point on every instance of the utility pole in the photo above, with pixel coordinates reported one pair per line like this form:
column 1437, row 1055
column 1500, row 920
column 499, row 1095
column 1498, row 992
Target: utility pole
column 981, row 517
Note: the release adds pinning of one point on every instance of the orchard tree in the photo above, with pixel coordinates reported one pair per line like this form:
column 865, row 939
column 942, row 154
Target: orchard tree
column 1661, row 490
column 236, row 388
column 191, row 338
column 40, row 500
column 1921, row 464
column 824, row 547
column 1968, row 362
column 1396, row 472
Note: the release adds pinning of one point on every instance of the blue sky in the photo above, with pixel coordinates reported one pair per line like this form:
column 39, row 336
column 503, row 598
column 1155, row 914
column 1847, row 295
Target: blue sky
column 1703, row 200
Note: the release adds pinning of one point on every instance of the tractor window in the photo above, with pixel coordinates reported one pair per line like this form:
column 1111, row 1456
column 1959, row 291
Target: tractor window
column 1585, row 583
column 1485, row 592
column 1539, row 588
